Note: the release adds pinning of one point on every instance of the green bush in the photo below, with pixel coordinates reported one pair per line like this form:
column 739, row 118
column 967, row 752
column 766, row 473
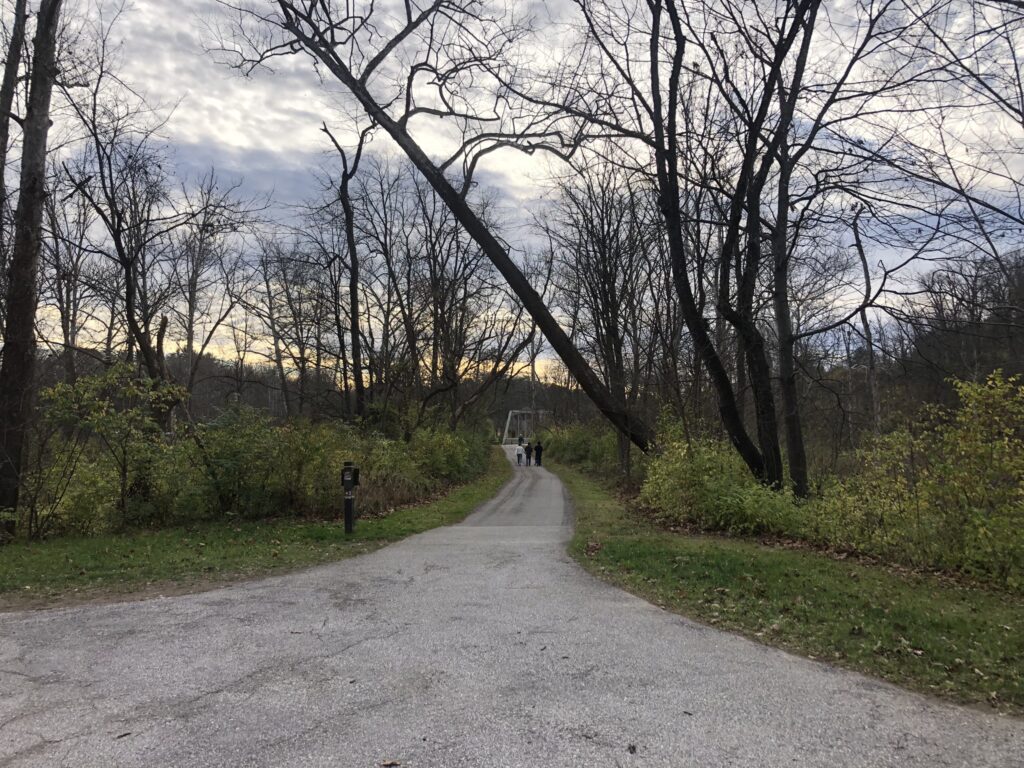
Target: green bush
column 594, row 448
column 238, row 456
column 947, row 493
column 705, row 484
column 119, row 414
column 89, row 505
column 129, row 472
column 440, row 454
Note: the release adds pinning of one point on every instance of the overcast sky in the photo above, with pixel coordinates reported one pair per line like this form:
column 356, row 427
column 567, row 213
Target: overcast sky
column 265, row 128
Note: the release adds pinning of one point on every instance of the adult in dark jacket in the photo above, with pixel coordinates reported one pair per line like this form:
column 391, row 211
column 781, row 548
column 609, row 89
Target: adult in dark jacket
column 529, row 453
column 538, row 451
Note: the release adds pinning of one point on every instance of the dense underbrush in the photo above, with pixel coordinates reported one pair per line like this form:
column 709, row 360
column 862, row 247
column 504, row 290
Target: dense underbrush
column 944, row 492
column 104, row 461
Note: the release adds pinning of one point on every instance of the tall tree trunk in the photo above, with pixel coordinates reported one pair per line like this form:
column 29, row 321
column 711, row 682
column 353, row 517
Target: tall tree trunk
column 139, row 331
column 874, row 407
column 339, row 329
column 766, row 418
column 353, row 297
column 276, row 339
column 69, row 332
column 667, row 159
column 18, row 366
column 744, row 319
column 11, row 68
column 795, row 450
column 742, row 385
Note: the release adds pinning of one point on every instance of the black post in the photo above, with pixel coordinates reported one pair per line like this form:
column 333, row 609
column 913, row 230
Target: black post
column 350, row 479
column 350, row 511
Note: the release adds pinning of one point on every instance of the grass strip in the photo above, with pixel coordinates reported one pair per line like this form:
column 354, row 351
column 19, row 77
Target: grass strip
column 956, row 641
column 36, row 574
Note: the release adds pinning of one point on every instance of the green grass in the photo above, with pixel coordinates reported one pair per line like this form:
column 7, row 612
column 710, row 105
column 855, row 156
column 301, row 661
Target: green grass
column 54, row 571
column 930, row 634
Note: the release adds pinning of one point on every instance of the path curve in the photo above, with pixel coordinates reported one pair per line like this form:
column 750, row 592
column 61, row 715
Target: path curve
column 482, row 644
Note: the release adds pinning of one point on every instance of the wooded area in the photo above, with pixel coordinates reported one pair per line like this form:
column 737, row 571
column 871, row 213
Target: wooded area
column 781, row 224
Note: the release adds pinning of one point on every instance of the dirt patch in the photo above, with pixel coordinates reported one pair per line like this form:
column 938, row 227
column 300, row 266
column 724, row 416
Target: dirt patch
column 123, row 593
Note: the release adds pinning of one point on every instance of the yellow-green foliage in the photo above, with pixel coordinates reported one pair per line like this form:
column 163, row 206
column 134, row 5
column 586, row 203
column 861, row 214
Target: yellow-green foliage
column 705, row 484
column 587, row 446
column 592, row 447
column 947, row 493
column 131, row 473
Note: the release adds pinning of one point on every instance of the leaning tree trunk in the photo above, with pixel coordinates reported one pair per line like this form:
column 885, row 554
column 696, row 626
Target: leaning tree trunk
column 18, row 366
column 615, row 411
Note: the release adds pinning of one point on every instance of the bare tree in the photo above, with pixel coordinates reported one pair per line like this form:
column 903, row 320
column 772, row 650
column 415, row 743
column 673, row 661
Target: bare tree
column 18, row 366
column 67, row 257
column 349, row 169
column 451, row 45
column 604, row 232
column 206, row 277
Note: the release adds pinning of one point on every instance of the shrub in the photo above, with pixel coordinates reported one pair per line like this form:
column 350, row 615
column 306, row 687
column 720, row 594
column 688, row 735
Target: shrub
column 120, row 413
column 593, row 448
column 238, row 455
column 440, row 453
column 705, row 484
column 126, row 471
column 947, row 493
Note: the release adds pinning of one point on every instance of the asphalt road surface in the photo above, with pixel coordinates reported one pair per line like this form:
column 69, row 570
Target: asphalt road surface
column 476, row 645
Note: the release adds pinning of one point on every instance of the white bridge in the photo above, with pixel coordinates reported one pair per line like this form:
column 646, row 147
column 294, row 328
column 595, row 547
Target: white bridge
column 522, row 423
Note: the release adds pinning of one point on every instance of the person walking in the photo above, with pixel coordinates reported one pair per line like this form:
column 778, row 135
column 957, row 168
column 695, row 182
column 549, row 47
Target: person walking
column 519, row 454
column 529, row 453
column 538, row 452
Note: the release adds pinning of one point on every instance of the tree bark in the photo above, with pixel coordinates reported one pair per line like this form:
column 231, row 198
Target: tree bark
column 353, row 296
column 874, row 407
column 11, row 68
column 795, row 450
column 666, row 156
column 18, row 366
column 276, row 338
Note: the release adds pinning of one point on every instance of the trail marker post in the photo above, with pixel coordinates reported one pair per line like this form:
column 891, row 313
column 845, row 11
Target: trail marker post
column 349, row 480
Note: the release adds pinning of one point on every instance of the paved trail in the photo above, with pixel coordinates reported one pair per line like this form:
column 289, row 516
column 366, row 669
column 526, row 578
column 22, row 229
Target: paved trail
column 476, row 645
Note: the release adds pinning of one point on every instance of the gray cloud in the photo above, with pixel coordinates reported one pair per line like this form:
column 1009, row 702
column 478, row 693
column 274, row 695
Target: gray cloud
column 265, row 129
